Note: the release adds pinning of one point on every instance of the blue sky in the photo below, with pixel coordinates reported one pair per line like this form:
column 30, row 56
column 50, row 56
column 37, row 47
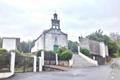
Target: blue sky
column 28, row 18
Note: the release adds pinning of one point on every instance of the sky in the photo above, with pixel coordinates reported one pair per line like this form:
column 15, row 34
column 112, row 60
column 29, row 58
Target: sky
column 27, row 19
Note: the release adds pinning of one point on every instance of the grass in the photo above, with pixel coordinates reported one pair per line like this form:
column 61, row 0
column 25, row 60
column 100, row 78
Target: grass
column 21, row 69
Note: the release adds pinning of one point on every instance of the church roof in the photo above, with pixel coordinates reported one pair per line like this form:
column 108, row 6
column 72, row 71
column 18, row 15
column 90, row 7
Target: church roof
column 48, row 30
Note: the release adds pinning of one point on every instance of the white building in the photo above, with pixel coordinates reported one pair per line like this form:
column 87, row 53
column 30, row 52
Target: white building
column 52, row 38
column 10, row 43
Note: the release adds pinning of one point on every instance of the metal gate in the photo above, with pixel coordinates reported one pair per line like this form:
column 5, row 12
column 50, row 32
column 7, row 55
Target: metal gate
column 23, row 64
column 5, row 62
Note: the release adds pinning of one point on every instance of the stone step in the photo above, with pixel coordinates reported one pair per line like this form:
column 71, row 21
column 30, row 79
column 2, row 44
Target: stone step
column 79, row 62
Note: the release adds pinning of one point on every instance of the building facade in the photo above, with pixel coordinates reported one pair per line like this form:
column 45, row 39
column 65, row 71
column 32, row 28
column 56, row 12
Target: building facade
column 52, row 38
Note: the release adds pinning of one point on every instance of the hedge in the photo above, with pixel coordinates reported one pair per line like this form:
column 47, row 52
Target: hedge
column 85, row 51
column 64, row 54
column 3, row 51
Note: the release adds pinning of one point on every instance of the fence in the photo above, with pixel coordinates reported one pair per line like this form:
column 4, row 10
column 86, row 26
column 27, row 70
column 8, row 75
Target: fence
column 49, row 58
column 5, row 62
column 23, row 63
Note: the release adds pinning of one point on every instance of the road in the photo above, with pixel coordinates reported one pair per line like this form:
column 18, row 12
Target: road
column 77, row 72
column 91, row 73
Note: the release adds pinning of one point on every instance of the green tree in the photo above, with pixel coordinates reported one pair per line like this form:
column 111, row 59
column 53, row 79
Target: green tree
column 25, row 46
column 0, row 42
column 97, row 36
column 112, row 45
column 73, row 46
column 115, row 36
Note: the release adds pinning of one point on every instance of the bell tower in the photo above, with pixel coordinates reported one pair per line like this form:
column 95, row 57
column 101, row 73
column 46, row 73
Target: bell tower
column 55, row 22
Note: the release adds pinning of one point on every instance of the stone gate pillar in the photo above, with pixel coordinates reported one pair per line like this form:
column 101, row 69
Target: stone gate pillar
column 42, row 57
column 56, row 59
column 12, row 62
column 35, row 64
column 40, row 64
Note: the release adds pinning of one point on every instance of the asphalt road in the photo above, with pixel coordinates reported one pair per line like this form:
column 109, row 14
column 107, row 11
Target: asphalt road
column 91, row 73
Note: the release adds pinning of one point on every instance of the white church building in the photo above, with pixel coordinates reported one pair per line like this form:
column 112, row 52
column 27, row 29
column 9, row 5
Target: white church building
column 52, row 38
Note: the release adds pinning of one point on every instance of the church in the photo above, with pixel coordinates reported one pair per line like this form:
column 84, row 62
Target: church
column 53, row 38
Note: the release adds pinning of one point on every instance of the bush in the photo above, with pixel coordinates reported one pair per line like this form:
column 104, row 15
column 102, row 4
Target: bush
column 16, row 51
column 60, row 50
column 3, row 51
column 113, row 47
column 116, row 55
column 85, row 51
column 66, row 55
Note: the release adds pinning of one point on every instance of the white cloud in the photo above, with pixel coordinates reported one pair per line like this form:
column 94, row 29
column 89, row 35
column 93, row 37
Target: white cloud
column 28, row 18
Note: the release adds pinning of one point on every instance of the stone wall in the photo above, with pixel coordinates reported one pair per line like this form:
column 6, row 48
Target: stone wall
column 98, row 50
column 60, row 63
column 94, row 47
column 63, row 63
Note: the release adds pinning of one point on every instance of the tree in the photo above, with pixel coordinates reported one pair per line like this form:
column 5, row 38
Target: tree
column 25, row 46
column 115, row 36
column 73, row 46
column 112, row 45
column 97, row 36
column 0, row 42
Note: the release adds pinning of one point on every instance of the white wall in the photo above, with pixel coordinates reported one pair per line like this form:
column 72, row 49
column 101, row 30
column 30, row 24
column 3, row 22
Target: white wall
column 38, row 44
column 50, row 38
column 102, row 49
column 63, row 41
column 9, row 44
column 49, row 41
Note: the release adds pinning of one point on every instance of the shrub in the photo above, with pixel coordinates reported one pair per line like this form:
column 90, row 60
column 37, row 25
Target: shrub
column 66, row 55
column 3, row 51
column 116, row 55
column 85, row 51
column 113, row 47
column 60, row 50
column 16, row 51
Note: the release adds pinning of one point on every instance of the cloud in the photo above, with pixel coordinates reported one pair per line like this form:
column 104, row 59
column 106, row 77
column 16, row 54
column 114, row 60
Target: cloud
column 28, row 18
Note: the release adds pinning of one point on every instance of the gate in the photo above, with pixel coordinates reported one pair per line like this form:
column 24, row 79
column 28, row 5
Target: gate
column 5, row 62
column 23, row 63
